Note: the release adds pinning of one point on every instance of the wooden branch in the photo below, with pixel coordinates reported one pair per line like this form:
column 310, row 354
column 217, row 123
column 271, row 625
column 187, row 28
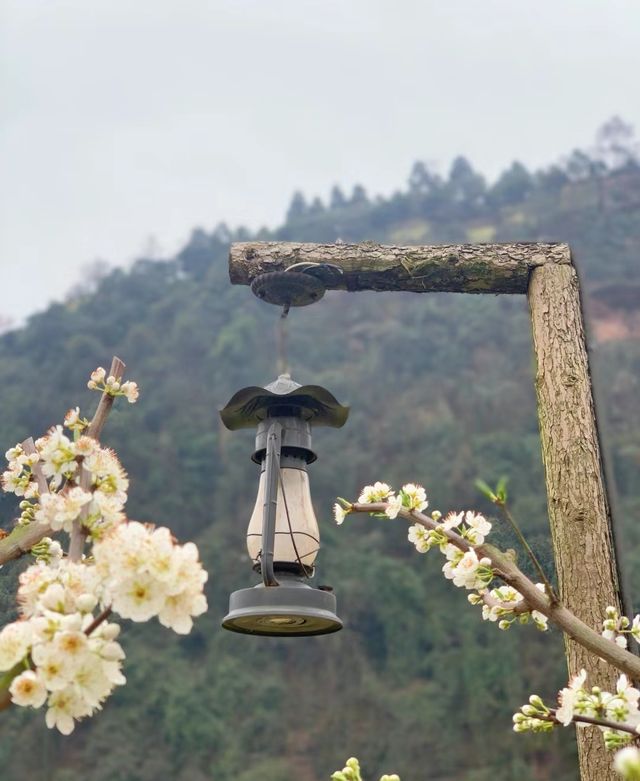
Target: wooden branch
column 579, row 514
column 459, row 268
column 23, row 538
column 508, row 571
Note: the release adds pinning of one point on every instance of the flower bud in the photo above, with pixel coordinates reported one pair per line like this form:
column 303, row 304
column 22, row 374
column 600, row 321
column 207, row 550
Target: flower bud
column 110, row 631
column 86, row 602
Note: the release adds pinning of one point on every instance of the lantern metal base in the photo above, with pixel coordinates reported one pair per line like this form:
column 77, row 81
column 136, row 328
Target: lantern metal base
column 292, row 609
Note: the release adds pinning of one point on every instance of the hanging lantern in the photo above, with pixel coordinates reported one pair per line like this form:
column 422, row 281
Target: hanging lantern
column 283, row 538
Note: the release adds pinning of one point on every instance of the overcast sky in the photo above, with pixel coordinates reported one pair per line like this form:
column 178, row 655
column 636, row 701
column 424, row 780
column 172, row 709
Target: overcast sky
column 129, row 119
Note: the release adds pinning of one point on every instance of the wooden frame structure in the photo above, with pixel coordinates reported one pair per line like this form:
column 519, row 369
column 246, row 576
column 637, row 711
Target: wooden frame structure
column 579, row 514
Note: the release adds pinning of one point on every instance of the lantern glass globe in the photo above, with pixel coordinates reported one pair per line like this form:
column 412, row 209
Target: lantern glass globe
column 300, row 526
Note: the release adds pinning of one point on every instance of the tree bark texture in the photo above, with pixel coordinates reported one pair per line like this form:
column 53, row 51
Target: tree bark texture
column 579, row 515
column 458, row 268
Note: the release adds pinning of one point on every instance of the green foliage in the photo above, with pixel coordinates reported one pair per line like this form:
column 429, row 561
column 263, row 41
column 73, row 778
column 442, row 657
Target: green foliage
column 441, row 389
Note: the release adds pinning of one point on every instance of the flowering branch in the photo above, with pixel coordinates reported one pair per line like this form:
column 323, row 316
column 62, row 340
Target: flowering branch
column 473, row 564
column 592, row 720
column 23, row 537
column 78, row 531
column 506, row 569
column 62, row 650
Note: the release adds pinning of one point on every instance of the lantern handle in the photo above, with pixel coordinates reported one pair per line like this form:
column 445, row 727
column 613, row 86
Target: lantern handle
column 272, row 470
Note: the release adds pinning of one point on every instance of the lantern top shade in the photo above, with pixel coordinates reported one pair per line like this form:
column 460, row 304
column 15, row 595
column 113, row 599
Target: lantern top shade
column 283, row 397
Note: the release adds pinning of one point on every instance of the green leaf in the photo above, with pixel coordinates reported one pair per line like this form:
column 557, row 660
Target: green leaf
column 501, row 489
column 485, row 490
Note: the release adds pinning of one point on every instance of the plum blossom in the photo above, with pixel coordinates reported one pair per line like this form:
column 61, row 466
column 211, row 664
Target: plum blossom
column 339, row 513
column 378, row 492
column 28, row 690
column 466, row 569
column 112, row 385
column 569, row 697
column 130, row 391
column 57, row 455
column 15, row 641
column 147, row 574
column 420, row 537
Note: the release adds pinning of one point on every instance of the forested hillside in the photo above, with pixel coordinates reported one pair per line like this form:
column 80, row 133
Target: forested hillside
column 441, row 392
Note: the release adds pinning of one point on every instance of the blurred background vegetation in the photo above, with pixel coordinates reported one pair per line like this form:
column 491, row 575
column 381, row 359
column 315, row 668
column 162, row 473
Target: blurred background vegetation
column 441, row 393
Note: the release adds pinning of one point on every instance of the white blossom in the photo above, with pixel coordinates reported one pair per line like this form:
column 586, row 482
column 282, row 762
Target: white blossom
column 394, row 505
column 54, row 667
column 27, row 689
column 57, row 455
column 452, row 520
column 568, row 698
column 130, row 390
column 107, row 474
column 378, row 492
column 466, row 570
column 339, row 513
column 15, row 641
column 64, row 706
column 420, row 537
column 415, row 497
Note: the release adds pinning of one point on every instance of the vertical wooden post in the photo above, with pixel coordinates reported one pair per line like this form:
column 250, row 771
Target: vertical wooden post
column 581, row 528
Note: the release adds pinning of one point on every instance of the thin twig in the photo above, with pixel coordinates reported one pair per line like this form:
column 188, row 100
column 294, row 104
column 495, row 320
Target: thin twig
column 532, row 556
column 590, row 720
column 98, row 620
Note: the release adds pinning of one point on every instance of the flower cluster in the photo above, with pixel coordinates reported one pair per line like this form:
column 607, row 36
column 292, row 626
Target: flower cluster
column 113, row 386
column 456, row 535
column 576, row 701
column 615, row 627
column 19, row 478
column 145, row 574
column 62, row 652
column 69, row 660
column 465, row 569
column 506, row 605
column 409, row 497
column 351, row 772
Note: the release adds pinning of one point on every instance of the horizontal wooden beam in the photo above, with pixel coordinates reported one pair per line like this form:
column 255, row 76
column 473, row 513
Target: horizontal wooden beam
column 459, row 268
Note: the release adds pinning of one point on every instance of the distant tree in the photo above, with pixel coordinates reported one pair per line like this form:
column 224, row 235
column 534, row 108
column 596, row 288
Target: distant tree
column 242, row 234
column 359, row 196
column 580, row 166
column 221, row 233
column 616, row 145
column 337, row 199
column 465, row 186
column 551, row 179
column 298, row 207
column 512, row 187
column 317, row 207
column 422, row 181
